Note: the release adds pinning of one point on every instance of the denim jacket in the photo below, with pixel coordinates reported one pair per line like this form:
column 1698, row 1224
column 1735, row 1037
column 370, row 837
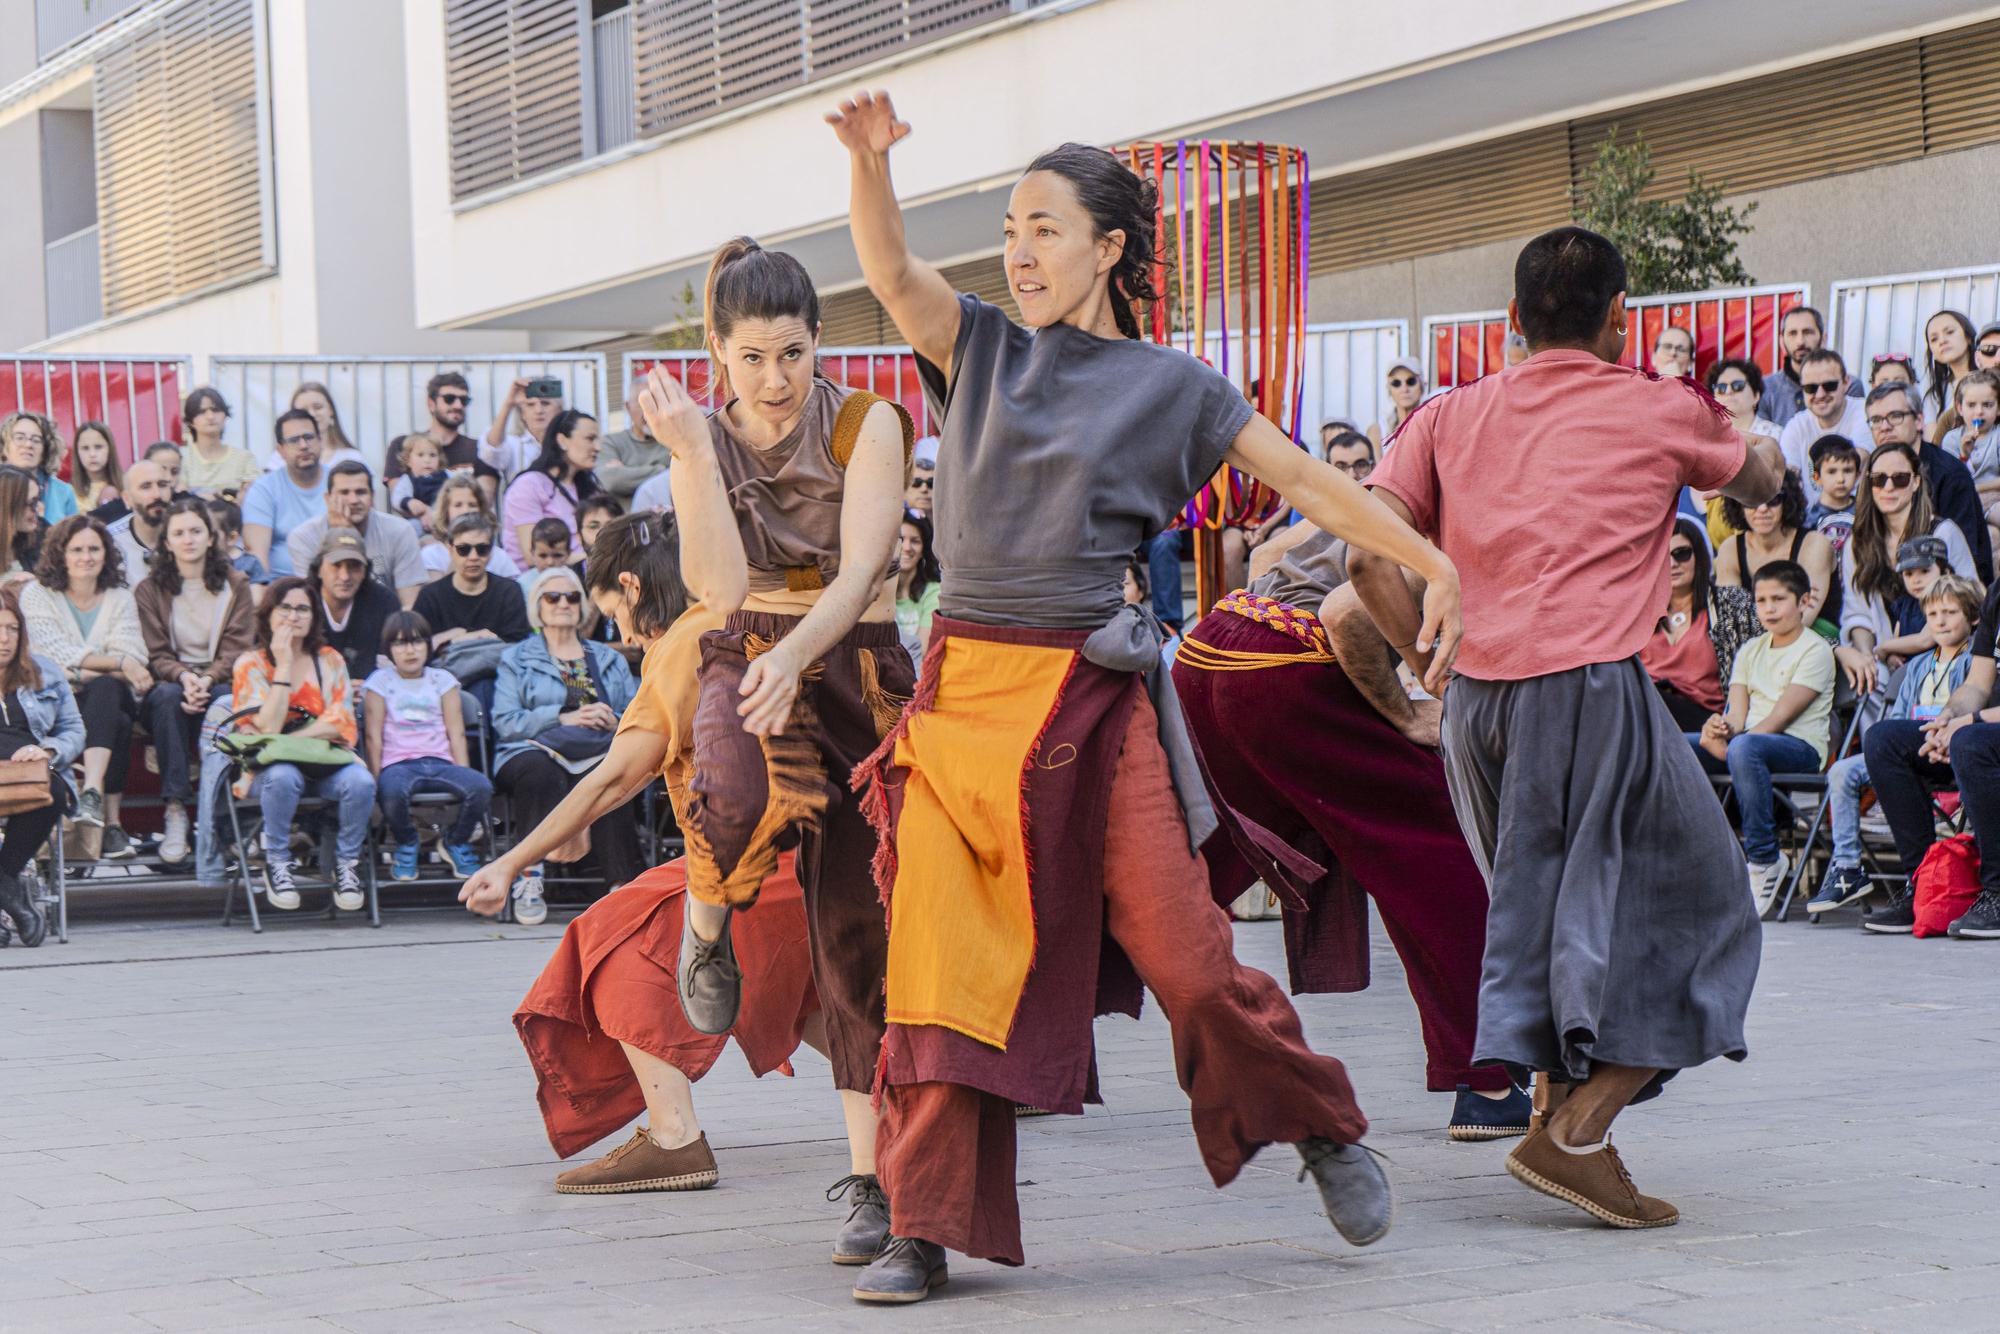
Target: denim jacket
column 1913, row 680
column 52, row 716
column 529, row 694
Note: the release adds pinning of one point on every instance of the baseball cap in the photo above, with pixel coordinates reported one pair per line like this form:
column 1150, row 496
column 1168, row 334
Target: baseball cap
column 1922, row 553
column 1410, row 364
column 342, row 544
column 926, row 450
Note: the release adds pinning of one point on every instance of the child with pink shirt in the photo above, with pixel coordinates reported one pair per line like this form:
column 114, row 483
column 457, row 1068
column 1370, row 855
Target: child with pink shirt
column 415, row 725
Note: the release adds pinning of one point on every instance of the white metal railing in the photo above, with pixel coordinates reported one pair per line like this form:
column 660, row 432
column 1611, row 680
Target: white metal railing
column 611, row 70
column 69, row 268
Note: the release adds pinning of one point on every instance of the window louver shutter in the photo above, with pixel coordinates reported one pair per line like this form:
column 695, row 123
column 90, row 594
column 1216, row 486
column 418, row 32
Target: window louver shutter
column 181, row 183
column 514, row 85
column 848, row 32
column 1961, row 97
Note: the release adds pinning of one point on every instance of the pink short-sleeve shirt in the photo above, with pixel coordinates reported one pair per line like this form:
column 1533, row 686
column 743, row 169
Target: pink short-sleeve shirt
column 1553, row 486
column 531, row 497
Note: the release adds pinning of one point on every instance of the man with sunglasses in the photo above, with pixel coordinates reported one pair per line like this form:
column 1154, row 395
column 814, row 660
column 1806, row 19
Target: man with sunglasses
column 469, row 604
column 922, row 490
column 448, row 396
column 1829, row 410
column 1986, row 348
column 1800, row 333
column 1892, row 417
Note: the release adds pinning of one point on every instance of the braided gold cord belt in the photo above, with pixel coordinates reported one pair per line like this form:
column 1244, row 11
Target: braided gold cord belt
column 1286, row 620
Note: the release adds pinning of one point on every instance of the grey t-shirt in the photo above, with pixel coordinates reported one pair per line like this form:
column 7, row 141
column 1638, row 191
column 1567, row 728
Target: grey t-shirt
column 1062, row 452
column 1304, row 575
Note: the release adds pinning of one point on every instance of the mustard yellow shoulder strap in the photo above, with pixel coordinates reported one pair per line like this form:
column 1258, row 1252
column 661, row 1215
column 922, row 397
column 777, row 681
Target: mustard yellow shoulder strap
column 847, row 426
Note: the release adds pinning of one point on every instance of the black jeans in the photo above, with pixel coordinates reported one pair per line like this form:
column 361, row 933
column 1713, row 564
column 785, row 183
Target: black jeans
column 108, row 709
column 27, row 830
column 536, row 785
column 176, row 733
column 1903, row 782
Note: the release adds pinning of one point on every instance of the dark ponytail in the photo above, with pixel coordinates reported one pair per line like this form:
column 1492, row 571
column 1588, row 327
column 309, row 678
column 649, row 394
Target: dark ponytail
column 748, row 282
column 1117, row 199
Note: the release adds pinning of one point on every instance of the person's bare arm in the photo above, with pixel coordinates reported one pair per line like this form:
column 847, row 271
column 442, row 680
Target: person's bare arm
column 1816, row 556
column 454, row 726
column 713, row 566
column 1328, row 497
column 1762, row 473
column 1737, row 709
column 374, row 712
column 914, row 293
column 1367, row 660
column 871, row 507
column 257, row 541
column 1265, row 556
column 1795, row 701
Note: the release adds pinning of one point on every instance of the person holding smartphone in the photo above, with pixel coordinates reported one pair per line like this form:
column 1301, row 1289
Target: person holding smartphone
column 515, row 436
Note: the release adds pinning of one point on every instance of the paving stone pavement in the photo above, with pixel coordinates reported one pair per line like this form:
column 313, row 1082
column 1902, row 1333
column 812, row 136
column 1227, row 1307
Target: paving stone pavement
column 334, row 1129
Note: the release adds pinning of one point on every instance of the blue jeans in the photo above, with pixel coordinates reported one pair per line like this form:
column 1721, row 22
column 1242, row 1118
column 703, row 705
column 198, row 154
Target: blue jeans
column 279, row 788
column 1844, row 784
column 1753, row 758
column 1163, row 572
column 211, row 828
column 398, row 782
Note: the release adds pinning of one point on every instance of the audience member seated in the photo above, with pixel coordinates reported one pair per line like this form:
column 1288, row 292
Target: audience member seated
column 394, row 557
column 352, row 606
column 278, row 502
column 197, row 616
column 655, row 494
column 447, row 396
column 228, row 521
column 1951, row 609
column 628, row 459
column 1829, row 410
column 412, row 494
column 334, row 446
column 1777, row 530
column 1894, row 508
column 555, row 706
column 458, row 497
column 1960, row 748
column 95, row 473
column 1352, row 453
column 550, row 544
column 298, row 684
column 921, row 493
column 1406, row 391
column 416, row 743
column 1948, row 340
column 515, row 436
column 917, row 584
column 1693, row 650
column 82, row 616
column 1737, row 384
column 163, row 454
column 30, row 444
column 1986, row 352
column 1673, row 353
column 1975, row 441
column 210, row 467
column 597, row 511
column 1893, row 418
column 554, row 485
column 22, row 526
column 148, row 491
column 1836, row 465
column 38, row 721
column 1890, row 368
column 1800, row 333
column 471, row 613
column 1780, row 707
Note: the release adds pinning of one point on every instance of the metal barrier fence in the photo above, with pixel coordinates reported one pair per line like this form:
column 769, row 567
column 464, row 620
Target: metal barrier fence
column 890, row 372
column 1459, row 349
column 139, row 398
column 380, row 398
column 1876, row 315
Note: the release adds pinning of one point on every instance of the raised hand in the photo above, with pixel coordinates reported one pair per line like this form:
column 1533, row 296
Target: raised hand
column 672, row 415
column 866, row 123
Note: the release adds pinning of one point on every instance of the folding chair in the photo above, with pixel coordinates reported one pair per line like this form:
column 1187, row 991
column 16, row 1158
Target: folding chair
column 236, row 857
column 436, row 807
column 1786, row 784
column 49, row 889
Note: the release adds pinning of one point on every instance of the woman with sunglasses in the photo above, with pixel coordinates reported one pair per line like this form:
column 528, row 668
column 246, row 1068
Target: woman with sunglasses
column 556, row 690
column 1893, row 507
column 1693, row 651
column 1406, row 391
column 1738, row 384
column 1777, row 530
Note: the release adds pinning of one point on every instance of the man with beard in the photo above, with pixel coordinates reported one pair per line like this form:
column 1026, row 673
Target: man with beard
column 448, row 396
column 145, row 493
column 279, row 502
column 392, row 544
column 355, row 606
column 1801, row 333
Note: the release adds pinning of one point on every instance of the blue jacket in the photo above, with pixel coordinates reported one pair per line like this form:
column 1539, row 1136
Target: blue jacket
column 53, row 718
column 1913, row 679
column 528, row 695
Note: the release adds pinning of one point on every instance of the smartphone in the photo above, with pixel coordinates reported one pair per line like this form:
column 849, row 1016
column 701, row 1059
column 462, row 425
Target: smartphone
column 546, row 387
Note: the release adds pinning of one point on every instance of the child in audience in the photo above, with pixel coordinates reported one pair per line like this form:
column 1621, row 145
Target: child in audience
column 548, row 546
column 227, row 517
column 1951, row 609
column 1836, row 467
column 1975, row 441
column 591, row 516
column 413, row 494
column 1920, row 563
column 415, row 725
column 1780, row 706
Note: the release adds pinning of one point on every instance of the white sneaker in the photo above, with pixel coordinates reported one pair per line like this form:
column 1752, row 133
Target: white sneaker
column 530, row 908
column 278, row 890
column 1765, row 882
column 174, row 840
column 347, row 895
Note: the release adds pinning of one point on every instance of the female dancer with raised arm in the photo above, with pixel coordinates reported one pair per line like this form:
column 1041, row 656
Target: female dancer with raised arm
column 1026, row 801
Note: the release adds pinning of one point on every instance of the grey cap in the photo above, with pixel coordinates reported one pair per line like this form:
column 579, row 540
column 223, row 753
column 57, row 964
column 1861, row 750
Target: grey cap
column 1922, row 553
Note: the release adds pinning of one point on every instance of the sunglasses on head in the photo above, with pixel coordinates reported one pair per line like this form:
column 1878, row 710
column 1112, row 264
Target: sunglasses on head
column 573, row 598
column 1822, row 387
column 1894, row 481
column 455, row 400
column 473, row 548
column 1680, row 555
column 1735, row 386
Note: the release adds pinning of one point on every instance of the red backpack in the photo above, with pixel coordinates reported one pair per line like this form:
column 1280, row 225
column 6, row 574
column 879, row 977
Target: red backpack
column 1946, row 883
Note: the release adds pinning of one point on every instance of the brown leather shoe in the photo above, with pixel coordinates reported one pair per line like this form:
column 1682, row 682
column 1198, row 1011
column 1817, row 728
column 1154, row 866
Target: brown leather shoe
column 641, row 1164
column 1594, row 1182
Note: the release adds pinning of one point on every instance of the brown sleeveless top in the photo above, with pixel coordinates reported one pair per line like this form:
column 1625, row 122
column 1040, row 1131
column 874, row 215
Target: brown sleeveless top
column 787, row 497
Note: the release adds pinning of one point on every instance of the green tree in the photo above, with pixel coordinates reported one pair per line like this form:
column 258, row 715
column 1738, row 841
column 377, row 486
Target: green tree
column 684, row 332
column 1685, row 245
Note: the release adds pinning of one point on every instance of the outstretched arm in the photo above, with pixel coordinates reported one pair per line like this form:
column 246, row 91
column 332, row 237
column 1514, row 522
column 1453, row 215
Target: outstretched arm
column 1337, row 503
column 914, row 293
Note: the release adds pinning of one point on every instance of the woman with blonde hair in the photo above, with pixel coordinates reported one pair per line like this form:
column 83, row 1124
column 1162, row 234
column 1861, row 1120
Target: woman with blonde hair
column 317, row 399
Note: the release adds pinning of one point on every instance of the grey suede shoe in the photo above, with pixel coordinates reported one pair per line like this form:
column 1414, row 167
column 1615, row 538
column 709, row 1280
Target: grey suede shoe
column 711, row 985
column 905, row 1271
column 860, row 1239
column 1352, row 1186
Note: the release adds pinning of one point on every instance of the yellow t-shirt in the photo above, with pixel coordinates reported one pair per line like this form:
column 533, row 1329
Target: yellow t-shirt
column 234, row 471
column 1767, row 672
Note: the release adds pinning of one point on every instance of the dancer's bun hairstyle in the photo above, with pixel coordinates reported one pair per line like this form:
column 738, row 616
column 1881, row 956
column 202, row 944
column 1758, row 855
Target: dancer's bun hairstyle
column 1117, row 199
column 748, row 282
